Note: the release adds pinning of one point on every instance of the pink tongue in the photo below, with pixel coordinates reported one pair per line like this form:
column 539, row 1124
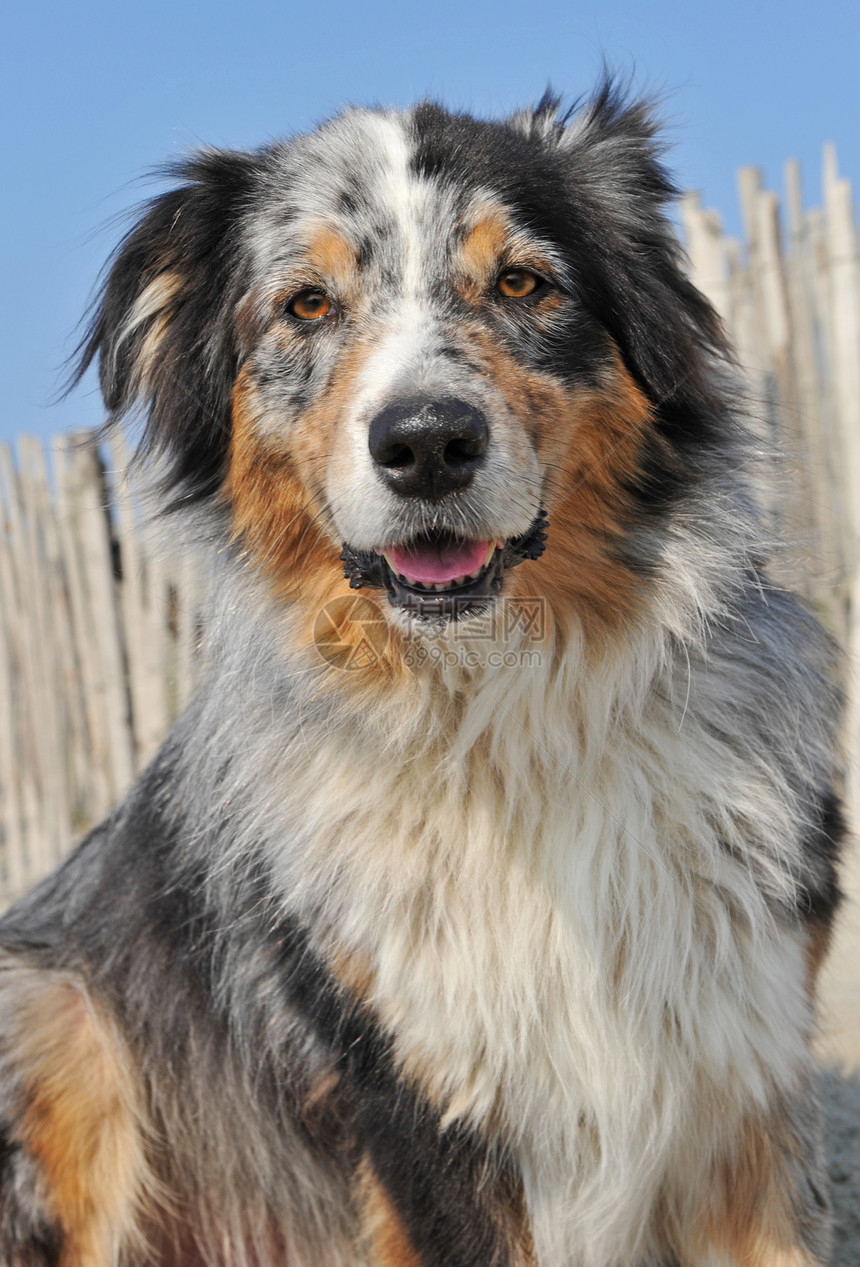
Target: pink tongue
column 434, row 565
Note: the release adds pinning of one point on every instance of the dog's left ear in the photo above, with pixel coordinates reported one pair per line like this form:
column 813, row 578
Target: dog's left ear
column 163, row 325
column 636, row 280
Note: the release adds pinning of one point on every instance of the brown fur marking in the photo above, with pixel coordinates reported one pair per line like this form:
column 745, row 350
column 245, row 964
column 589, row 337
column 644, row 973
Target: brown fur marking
column 589, row 442
column 490, row 244
column 353, row 971
column 384, row 1237
column 481, row 251
column 333, row 256
column 754, row 1217
column 279, row 515
column 81, row 1123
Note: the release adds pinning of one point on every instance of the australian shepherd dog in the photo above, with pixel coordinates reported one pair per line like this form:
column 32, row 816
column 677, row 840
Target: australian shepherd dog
column 471, row 914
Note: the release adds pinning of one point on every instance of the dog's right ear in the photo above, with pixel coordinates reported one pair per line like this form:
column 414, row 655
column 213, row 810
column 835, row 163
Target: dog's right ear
column 163, row 325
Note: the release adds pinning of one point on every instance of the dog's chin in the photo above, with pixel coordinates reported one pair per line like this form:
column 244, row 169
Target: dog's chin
column 441, row 576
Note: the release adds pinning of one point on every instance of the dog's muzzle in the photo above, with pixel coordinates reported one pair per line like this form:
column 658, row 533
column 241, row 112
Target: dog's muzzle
column 431, row 449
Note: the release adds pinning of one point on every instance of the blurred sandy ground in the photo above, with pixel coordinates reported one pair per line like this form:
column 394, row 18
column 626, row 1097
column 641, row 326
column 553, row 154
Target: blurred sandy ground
column 838, row 1049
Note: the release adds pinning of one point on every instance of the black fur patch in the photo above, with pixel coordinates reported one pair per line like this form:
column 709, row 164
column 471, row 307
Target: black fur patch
column 444, row 1184
column 28, row 1236
column 191, row 231
column 820, row 894
column 600, row 198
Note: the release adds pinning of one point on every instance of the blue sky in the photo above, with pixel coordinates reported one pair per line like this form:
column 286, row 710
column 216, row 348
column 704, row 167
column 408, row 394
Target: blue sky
column 94, row 94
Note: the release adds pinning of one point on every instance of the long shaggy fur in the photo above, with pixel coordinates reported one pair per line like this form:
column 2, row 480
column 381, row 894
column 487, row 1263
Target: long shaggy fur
column 477, row 923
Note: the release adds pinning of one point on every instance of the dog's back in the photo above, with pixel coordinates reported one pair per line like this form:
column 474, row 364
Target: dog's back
column 471, row 914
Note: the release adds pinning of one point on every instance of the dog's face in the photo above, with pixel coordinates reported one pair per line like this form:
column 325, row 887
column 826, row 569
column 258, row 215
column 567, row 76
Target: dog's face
column 399, row 343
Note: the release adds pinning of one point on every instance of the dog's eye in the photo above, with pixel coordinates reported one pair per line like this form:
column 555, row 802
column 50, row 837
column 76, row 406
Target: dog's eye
column 309, row 305
column 518, row 283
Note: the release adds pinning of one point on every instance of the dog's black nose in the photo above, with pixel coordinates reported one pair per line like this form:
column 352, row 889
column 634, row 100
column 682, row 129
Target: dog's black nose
column 426, row 448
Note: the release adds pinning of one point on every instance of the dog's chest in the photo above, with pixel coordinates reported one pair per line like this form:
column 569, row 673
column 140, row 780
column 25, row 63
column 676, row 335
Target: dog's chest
column 551, row 971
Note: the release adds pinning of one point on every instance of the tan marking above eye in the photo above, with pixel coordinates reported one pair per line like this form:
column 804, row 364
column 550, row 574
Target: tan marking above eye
column 310, row 305
column 518, row 283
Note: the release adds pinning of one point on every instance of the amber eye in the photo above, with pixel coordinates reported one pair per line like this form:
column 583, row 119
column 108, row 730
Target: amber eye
column 309, row 305
column 518, row 283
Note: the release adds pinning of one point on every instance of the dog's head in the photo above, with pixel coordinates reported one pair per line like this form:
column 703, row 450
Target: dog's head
column 397, row 347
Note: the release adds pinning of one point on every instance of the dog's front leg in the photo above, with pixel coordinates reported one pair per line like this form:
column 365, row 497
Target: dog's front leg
column 768, row 1204
column 72, row 1167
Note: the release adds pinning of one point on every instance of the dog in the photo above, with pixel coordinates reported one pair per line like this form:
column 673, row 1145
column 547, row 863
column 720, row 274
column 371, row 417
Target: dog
column 471, row 914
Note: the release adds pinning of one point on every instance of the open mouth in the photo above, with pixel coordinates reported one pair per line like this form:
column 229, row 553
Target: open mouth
column 440, row 574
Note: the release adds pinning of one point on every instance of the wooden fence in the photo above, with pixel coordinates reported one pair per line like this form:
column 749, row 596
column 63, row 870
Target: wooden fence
column 790, row 297
column 99, row 630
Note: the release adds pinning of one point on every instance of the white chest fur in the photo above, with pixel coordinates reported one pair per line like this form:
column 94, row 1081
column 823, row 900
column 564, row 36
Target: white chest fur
column 563, row 946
